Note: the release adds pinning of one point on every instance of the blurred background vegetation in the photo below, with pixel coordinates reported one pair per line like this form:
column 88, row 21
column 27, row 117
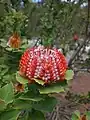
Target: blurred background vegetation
column 49, row 18
column 52, row 21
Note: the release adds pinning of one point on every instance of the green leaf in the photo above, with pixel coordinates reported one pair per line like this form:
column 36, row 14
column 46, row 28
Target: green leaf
column 7, row 93
column 9, row 115
column 7, row 77
column 2, row 40
column 4, row 71
column 45, row 105
column 2, row 10
column 31, row 96
column 36, row 115
column 9, row 49
column 39, row 81
column 88, row 115
column 50, row 89
column 24, row 46
column 53, row 88
column 21, row 79
column 3, row 66
column 2, row 105
column 3, row 44
column 32, row 115
column 25, row 116
column 23, row 104
column 69, row 75
column 76, row 115
column 48, row 41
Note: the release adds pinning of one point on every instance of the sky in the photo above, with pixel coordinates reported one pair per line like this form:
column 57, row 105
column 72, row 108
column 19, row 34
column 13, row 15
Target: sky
column 84, row 4
column 36, row 1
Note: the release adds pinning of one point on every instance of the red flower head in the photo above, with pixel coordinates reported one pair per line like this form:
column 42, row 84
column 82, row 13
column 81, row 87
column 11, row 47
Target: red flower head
column 14, row 41
column 42, row 63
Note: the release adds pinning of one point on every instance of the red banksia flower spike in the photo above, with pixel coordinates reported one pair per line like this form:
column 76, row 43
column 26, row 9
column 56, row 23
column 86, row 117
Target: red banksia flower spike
column 48, row 65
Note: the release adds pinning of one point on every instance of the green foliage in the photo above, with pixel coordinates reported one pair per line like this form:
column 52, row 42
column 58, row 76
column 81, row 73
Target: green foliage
column 7, row 93
column 2, row 105
column 30, row 95
column 9, row 61
column 36, row 115
column 76, row 116
column 60, row 20
column 54, row 19
column 9, row 115
column 53, row 22
column 53, row 88
column 8, row 65
column 88, row 115
column 14, row 21
column 6, row 96
column 45, row 105
column 22, row 104
column 20, row 79
column 39, row 81
column 26, row 101
column 29, row 100
column 32, row 103
column 69, row 75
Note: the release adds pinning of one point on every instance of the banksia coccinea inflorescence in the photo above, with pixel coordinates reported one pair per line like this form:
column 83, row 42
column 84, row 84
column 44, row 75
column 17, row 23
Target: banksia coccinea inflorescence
column 48, row 65
column 14, row 41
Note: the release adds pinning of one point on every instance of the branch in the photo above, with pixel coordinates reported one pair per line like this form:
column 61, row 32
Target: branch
column 76, row 53
column 87, row 33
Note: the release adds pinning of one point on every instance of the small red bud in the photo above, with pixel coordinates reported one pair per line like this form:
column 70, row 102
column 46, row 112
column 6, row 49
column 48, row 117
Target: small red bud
column 75, row 37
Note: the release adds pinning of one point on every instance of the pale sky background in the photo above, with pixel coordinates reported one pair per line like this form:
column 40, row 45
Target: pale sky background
column 84, row 4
